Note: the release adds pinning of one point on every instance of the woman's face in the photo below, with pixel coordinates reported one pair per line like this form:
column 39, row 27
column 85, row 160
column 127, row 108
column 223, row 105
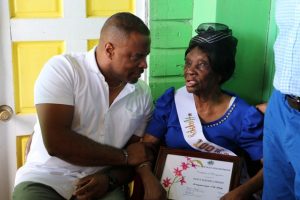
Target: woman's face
column 198, row 74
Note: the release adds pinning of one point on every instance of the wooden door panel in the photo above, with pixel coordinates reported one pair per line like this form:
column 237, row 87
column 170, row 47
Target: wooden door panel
column 91, row 43
column 28, row 59
column 108, row 7
column 36, row 8
column 21, row 143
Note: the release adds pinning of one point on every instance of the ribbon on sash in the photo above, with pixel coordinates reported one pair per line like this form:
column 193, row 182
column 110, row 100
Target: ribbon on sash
column 191, row 124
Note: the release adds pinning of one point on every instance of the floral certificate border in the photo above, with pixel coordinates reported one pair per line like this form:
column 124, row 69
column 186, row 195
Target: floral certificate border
column 189, row 175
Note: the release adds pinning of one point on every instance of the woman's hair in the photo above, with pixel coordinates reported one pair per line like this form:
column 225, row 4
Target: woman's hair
column 217, row 42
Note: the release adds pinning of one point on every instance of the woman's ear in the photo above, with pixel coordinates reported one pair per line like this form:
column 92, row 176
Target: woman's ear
column 109, row 50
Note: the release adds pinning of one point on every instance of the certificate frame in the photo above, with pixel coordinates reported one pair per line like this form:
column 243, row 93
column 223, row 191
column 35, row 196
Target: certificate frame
column 233, row 161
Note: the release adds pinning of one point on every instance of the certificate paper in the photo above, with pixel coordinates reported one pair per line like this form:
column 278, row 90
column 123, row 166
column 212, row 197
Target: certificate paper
column 187, row 177
column 194, row 178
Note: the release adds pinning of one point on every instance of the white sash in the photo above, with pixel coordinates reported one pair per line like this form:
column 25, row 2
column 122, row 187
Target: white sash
column 191, row 124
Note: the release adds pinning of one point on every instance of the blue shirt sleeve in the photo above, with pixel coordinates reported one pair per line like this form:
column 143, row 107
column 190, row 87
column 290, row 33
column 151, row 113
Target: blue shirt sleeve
column 252, row 133
column 158, row 124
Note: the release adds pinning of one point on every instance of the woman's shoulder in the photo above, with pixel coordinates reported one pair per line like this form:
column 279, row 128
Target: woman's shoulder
column 167, row 96
column 238, row 101
column 249, row 113
column 242, row 106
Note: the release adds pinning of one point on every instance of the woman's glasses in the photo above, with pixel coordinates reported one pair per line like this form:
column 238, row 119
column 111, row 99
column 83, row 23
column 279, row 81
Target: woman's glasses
column 213, row 27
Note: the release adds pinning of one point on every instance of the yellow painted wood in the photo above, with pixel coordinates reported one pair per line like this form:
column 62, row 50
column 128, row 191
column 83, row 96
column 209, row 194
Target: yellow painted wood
column 108, row 7
column 28, row 59
column 91, row 44
column 130, row 187
column 36, row 8
column 21, row 146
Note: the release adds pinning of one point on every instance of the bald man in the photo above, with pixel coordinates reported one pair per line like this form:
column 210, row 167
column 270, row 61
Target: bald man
column 92, row 109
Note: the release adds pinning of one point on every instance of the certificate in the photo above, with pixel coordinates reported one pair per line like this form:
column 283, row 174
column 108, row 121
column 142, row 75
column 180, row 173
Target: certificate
column 189, row 175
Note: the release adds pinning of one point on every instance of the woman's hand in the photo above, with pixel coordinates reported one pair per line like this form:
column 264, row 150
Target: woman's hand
column 92, row 186
column 153, row 189
column 244, row 191
column 236, row 194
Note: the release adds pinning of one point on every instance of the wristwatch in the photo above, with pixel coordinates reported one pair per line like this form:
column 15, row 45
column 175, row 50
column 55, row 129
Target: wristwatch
column 112, row 182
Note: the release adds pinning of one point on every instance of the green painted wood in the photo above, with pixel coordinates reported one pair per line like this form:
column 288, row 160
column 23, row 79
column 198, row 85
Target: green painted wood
column 171, row 9
column 166, row 62
column 249, row 21
column 170, row 34
column 159, row 85
column 171, row 30
column 204, row 11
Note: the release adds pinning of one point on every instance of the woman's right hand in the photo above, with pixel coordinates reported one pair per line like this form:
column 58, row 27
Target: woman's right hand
column 153, row 189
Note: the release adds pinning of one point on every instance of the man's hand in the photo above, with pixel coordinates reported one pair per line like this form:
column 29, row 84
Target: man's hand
column 138, row 153
column 92, row 186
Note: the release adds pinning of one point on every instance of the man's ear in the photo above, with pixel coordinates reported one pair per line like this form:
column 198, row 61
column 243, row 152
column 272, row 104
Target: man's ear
column 109, row 50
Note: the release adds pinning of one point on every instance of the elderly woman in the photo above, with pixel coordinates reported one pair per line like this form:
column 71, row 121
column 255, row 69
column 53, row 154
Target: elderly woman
column 223, row 120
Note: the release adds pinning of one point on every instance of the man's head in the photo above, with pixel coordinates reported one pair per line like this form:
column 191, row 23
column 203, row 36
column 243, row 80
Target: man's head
column 123, row 46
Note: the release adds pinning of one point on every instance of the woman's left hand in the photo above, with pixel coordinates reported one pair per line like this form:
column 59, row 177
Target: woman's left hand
column 236, row 194
column 95, row 185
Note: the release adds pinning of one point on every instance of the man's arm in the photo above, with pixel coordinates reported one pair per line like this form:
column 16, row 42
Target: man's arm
column 60, row 141
column 98, row 184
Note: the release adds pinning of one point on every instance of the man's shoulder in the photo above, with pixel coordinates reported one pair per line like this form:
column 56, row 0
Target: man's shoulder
column 141, row 83
column 76, row 58
column 142, row 86
column 66, row 58
column 141, row 90
column 72, row 61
